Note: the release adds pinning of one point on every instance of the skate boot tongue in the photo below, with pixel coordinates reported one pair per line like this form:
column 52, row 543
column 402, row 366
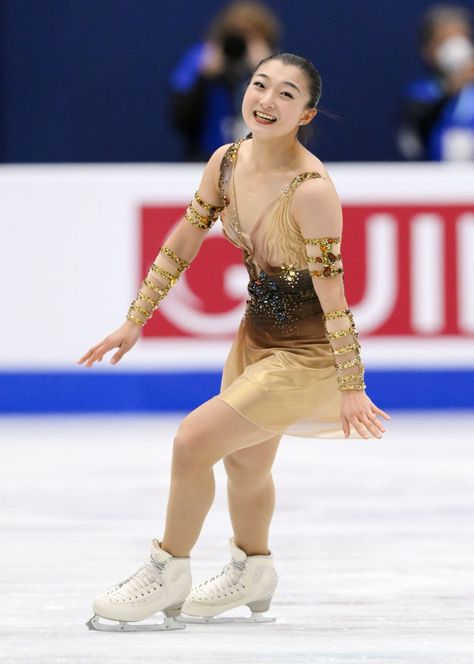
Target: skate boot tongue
column 238, row 555
column 158, row 555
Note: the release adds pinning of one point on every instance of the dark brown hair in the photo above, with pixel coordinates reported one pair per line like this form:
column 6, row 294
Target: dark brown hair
column 313, row 77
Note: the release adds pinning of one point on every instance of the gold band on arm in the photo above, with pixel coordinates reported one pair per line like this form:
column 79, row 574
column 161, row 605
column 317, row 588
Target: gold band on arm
column 325, row 256
column 212, row 209
column 198, row 220
column 202, row 221
column 180, row 262
column 339, row 313
column 172, row 278
column 349, row 369
column 152, row 290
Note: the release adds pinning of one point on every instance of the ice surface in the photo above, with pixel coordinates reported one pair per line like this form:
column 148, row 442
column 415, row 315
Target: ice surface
column 373, row 542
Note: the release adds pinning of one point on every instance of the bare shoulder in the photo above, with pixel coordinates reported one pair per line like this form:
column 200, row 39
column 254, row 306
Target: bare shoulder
column 213, row 166
column 218, row 155
column 316, row 206
column 313, row 163
column 315, row 192
column 209, row 186
column 315, row 188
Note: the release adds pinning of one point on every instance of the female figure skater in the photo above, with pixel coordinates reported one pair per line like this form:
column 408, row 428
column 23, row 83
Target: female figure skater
column 294, row 366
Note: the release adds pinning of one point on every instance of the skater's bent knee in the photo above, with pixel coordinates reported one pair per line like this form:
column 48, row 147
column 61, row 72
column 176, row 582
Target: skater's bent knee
column 246, row 471
column 189, row 450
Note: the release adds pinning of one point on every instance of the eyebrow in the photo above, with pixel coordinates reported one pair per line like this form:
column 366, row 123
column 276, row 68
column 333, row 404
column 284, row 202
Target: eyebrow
column 284, row 82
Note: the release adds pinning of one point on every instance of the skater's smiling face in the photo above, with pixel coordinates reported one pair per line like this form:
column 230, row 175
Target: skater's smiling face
column 277, row 100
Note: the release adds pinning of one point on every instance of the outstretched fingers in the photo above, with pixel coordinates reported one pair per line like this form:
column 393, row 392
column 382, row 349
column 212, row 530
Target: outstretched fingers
column 358, row 425
column 123, row 339
column 346, row 427
column 372, row 425
column 365, row 423
column 96, row 353
column 379, row 411
column 89, row 353
column 123, row 348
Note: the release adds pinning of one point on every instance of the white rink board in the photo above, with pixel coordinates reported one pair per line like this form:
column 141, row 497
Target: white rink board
column 68, row 258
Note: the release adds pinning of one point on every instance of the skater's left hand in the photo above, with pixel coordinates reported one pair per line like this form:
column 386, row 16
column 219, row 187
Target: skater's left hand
column 359, row 411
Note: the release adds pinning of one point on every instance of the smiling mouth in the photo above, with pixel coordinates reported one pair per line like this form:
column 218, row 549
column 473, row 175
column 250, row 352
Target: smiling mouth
column 264, row 118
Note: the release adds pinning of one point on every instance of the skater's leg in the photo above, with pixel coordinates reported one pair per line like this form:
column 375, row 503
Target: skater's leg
column 251, row 494
column 205, row 436
column 250, row 578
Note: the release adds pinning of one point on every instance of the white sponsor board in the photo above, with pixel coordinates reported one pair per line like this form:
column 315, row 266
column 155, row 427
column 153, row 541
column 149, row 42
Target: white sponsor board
column 70, row 256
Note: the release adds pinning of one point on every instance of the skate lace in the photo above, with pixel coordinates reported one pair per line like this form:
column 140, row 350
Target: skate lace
column 147, row 575
column 228, row 577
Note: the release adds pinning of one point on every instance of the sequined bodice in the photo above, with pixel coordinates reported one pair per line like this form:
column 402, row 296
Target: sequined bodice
column 281, row 299
column 261, row 232
column 280, row 287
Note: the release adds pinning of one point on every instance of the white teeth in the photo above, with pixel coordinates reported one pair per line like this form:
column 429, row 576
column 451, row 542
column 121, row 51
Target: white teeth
column 264, row 116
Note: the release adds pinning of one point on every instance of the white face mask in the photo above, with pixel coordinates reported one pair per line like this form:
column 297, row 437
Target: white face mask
column 454, row 54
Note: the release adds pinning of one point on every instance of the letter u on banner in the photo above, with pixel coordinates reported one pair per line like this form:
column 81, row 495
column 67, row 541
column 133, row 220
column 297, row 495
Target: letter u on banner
column 381, row 284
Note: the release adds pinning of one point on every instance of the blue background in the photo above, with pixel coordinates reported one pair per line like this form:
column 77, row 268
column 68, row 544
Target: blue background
column 87, row 80
column 72, row 392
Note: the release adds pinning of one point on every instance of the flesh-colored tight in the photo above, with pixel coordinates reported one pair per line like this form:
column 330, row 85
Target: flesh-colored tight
column 212, row 432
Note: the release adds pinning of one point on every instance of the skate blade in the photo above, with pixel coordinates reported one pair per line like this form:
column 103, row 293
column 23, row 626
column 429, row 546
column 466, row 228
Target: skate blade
column 97, row 623
column 253, row 618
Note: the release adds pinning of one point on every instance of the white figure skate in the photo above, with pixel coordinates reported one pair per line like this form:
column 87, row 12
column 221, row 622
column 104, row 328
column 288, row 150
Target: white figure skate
column 162, row 584
column 246, row 580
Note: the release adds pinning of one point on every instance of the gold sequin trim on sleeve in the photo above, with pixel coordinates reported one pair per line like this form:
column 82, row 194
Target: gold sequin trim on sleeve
column 172, row 278
column 196, row 219
column 181, row 263
column 339, row 313
column 159, row 291
column 202, row 221
column 346, row 349
column 350, row 371
column 341, row 333
column 349, row 363
column 137, row 312
column 212, row 209
column 328, row 259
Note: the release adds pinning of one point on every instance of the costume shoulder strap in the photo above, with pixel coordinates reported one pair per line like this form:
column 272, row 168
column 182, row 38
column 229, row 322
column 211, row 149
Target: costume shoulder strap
column 299, row 179
column 284, row 209
column 226, row 167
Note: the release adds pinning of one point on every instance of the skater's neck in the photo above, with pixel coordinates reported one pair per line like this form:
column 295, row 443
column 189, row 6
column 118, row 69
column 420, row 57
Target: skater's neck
column 279, row 154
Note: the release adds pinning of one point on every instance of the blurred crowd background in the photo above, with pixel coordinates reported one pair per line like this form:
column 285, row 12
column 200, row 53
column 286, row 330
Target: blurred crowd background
column 145, row 81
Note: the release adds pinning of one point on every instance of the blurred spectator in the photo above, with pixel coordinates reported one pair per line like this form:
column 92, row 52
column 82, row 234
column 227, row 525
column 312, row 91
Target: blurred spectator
column 208, row 83
column 437, row 116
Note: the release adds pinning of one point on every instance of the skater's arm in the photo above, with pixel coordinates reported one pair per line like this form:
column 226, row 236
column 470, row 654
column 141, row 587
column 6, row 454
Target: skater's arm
column 182, row 244
column 187, row 236
column 180, row 247
column 317, row 212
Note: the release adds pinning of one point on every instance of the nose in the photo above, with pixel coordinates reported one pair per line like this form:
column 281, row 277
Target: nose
column 266, row 100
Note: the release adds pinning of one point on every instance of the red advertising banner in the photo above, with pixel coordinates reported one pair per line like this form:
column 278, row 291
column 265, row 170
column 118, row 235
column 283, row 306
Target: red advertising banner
column 409, row 271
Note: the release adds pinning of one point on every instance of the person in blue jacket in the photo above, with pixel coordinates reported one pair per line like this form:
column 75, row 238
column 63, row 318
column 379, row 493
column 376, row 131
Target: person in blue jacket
column 208, row 83
column 436, row 121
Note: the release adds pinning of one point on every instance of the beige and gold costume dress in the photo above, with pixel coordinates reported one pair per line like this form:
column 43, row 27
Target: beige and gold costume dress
column 280, row 372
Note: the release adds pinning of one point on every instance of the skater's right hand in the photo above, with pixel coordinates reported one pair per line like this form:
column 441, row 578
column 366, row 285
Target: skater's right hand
column 124, row 339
